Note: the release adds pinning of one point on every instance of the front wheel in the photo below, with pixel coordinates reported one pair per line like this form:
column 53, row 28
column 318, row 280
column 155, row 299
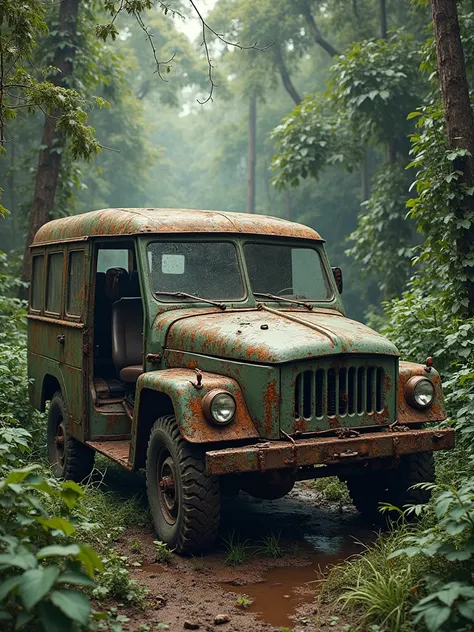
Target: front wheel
column 395, row 486
column 184, row 500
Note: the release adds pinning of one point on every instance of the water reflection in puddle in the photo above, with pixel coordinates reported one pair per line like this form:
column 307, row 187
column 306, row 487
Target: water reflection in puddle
column 284, row 589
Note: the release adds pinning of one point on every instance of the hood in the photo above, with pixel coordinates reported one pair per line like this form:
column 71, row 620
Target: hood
column 270, row 337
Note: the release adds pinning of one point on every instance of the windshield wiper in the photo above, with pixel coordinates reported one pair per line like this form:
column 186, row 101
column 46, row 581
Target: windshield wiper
column 195, row 298
column 281, row 299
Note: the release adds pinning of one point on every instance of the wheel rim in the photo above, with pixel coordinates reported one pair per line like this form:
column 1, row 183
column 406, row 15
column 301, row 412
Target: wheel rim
column 167, row 492
column 60, row 442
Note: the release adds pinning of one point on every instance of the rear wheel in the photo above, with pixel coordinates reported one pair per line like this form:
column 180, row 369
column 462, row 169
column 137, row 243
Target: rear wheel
column 69, row 458
column 184, row 500
column 394, row 486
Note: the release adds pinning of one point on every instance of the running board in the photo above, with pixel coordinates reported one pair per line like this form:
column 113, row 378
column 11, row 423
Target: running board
column 117, row 451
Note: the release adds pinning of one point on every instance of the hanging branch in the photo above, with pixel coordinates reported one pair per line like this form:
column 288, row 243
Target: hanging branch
column 220, row 36
column 136, row 8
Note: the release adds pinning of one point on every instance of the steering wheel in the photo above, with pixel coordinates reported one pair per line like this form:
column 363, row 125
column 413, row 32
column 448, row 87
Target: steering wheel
column 286, row 290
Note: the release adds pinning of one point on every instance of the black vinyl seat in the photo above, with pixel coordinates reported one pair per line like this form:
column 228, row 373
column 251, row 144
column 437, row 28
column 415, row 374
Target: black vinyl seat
column 127, row 338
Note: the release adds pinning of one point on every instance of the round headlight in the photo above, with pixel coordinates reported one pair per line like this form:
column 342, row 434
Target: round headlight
column 419, row 392
column 219, row 407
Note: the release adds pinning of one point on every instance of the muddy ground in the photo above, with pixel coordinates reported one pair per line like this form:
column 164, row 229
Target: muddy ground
column 189, row 593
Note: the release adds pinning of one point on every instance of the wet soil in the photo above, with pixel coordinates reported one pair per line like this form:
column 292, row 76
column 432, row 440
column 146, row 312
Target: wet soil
column 278, row 592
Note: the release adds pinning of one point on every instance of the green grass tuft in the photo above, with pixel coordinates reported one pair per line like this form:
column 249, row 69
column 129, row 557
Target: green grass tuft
column 270, row 546
column 236, row 550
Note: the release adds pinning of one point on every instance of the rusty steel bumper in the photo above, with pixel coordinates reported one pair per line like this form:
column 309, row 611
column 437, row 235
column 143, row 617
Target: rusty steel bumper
column 273, row 455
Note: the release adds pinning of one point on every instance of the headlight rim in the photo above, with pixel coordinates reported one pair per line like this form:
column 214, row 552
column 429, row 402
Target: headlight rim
column 207, row 404
column 410, row 392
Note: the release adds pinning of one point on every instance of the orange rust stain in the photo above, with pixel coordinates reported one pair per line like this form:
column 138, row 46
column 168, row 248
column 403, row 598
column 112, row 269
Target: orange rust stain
column 271, row 404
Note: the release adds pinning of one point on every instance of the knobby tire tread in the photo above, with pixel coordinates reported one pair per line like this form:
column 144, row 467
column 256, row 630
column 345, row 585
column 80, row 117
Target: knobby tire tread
column 201, row 493
column 393, row 486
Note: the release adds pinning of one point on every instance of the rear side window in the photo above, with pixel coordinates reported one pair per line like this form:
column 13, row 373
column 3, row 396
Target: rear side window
column 54, row 283
column 75, row 283
column 37, row 278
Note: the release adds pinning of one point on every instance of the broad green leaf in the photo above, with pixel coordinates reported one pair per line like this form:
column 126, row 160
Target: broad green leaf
column 90, row 559
column 449, row 595
column 36, row 583
column 58, row 550
column 435, row 617
column 52, row 619
column 75, row 577
column 8, row 585
column 467, row 609
column 57, row 523
column 19, row 475
column 23, row 560
column 73, row 604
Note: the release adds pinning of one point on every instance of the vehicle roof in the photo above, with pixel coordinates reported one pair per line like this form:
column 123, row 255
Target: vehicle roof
column 114, row 222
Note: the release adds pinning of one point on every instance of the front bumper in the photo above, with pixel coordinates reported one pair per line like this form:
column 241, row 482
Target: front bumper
column 275, row 455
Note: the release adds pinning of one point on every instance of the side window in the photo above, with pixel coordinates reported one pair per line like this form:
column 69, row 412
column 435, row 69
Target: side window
column 37, row 278
column 75, row 284
column 54, row 283
column 108, row 258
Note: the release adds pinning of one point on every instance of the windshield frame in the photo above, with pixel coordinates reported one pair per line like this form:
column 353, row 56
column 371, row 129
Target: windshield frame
column 293, row 243
column 199, row 238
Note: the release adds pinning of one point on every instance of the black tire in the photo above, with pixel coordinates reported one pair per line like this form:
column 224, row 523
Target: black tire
column 69, row 458
column 184, row 500
column 369, row 489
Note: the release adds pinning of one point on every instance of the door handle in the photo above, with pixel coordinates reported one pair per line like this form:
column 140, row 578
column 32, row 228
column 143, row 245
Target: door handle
column 61, row 339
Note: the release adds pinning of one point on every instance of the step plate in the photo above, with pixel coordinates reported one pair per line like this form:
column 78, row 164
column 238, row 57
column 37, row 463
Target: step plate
column 118, row 451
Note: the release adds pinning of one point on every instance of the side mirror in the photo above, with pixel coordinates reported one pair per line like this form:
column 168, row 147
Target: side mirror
column 338, row 277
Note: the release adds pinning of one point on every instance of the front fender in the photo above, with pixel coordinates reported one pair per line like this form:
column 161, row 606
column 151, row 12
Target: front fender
column 178, row 384
column 406, row 414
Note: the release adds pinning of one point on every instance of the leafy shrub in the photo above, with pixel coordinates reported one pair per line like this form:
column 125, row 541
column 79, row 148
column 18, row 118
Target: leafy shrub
column 115, row 582
column 40, row 565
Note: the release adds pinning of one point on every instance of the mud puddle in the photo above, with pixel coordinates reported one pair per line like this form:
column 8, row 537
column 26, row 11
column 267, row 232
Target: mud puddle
column 283, row 590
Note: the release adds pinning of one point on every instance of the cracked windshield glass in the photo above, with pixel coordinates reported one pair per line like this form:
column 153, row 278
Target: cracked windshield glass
column 206, row 269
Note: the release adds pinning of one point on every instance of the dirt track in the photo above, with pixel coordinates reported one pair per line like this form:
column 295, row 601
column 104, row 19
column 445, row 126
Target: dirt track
column 314, row 533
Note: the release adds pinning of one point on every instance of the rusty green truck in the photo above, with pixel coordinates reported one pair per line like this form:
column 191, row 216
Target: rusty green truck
column 212, row 350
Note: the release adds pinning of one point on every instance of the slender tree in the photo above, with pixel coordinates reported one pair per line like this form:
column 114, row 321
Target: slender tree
column 459, row 120
column 49, row 162
column 251, row 161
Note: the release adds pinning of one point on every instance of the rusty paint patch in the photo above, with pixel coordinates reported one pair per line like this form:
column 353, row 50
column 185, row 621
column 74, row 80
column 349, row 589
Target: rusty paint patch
column 136, row 221
column 328, row 451
column 407, row 414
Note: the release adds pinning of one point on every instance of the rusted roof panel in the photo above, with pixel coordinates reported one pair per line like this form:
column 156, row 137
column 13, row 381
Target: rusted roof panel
column 134, row 221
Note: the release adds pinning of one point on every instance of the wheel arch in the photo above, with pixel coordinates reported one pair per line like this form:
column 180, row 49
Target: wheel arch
column 152, row 404
column 51, row 384
column 174, row 391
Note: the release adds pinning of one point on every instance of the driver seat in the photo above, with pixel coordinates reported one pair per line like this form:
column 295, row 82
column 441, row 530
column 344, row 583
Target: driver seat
column 127, row 338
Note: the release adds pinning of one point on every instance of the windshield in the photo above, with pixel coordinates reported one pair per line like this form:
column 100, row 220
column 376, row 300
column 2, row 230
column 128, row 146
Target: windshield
column 209, row 270
column 287, row 271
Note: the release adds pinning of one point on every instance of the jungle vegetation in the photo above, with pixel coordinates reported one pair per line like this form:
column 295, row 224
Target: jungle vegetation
column 341, row 114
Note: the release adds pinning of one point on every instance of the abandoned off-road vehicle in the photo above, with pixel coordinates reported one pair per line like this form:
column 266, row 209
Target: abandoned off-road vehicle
column 212, row 350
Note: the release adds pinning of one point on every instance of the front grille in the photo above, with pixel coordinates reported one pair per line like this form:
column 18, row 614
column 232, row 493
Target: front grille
column 339, row 391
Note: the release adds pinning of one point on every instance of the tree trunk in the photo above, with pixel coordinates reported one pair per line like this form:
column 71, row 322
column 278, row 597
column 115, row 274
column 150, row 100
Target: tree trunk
column 49, row 161
column 285, row 75
column 458, row 114
column 316, row 33
column 251, row 154
column 383, row 19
